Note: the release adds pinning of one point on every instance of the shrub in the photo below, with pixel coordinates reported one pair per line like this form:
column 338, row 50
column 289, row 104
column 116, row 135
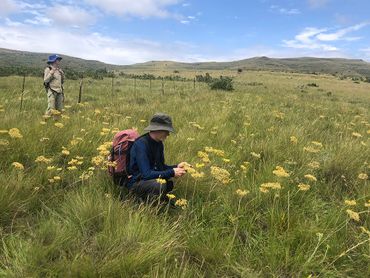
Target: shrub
column 222, row 83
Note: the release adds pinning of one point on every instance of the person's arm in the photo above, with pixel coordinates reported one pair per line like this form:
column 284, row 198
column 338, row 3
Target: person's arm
column 48, row 75
column 142, row 160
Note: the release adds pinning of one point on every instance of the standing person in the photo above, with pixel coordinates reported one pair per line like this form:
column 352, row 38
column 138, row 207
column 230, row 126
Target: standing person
column 150, row 176
column 53, row 82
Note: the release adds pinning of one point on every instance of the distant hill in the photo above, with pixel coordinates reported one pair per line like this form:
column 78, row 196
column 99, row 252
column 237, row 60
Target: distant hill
column 339, row 66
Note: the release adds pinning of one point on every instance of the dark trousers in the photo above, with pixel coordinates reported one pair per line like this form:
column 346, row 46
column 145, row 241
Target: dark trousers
column 151, row 190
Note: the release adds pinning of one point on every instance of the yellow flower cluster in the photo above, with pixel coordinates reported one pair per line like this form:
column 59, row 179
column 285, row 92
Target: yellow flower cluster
column 161, row 181
column 363, row 176
column 264, row 188
column 194, row 124
column 86, row 175
column 194, row 173
column 217, row 152
column 256, row 155
column 350, row 202
column 55, row 179
column 170, row 196
column 15, row 133
column 293, row 140
column 183, row 203
column 310, row 177
column 353, row 215
column 204, row 156
column 314, row 165
column 241, row 193
column 245, row 166
column 356, row 135
column 104, row 131
column 4, row 142
column 220, row 174
column 59, row 125
column 65, row 151
column 280, row 172
column 303, row 187
column 43, row 159
column 313, row 147
column 18, row 166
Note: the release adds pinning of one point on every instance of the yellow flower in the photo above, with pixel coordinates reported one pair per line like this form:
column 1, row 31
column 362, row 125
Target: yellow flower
column 65, row 152
column 199, row 165
column 314, row 165
column 350, row 202
column 72, row 168
column 15, row 133
column 226, row 160
column 293, row 140
column 264, row 190
column 170, row 196
column 4, row 131
column 50, row 168
column 161, row 181
column 44, row 139
column 59, row 125
column 190, row 139
column 43, row 159
column 97, row 160
column 217, row 152
column 256, row 155
column 241, row 193
column 363, row 176
column 272, row 185
column 356, row 134
column 183, row 203
column 310, row 177
column 142, row 121
column 4, row 142
column 303, row 187
column 57, row 178
column 197, row 175
column 55, row 112
column 310, row 149
column 18, row 166
column 42, row 123
column 280, row 172
column 353, row 215
column 317, row 144
column 220, row 174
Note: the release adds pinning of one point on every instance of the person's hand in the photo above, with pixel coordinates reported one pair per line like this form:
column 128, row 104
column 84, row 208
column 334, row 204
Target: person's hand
column 183, row 165
column 179, row 172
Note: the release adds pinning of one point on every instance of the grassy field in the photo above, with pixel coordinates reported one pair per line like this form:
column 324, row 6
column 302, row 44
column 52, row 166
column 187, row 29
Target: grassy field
column 281, row 186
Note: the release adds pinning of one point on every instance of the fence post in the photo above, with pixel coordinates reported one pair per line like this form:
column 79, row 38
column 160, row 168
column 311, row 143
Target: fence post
column 162, row 86
column 194, row 85
column 80, row 92
column 24, row 81
column 150, row 84
column 112, row 85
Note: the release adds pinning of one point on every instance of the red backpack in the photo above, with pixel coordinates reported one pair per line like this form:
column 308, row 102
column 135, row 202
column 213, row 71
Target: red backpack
column 122, row 143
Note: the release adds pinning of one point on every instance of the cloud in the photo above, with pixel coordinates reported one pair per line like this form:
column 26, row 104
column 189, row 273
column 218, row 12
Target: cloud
column 318, row 3
column 71, row 15
column 339, row 34
column 314, row 38
column 94, row 46
column 285, row 11
column 8, row 7
column 139, row 8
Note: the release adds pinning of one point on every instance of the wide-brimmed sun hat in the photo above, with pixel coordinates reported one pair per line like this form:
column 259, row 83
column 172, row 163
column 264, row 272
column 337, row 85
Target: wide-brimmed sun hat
column 53, row 58
column 160, row 121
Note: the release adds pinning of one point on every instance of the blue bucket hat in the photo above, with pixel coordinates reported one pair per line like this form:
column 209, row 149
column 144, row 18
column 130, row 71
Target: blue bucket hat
column 53, row 58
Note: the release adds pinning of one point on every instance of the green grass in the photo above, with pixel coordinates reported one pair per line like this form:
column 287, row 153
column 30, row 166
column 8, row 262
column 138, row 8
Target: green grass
column 75, row 227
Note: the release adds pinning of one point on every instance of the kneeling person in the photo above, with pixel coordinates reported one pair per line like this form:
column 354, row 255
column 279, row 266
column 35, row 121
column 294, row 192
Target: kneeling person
column 150, row 176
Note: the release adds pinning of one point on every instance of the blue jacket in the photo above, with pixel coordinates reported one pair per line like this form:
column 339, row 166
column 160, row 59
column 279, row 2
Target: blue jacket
column 147, row 161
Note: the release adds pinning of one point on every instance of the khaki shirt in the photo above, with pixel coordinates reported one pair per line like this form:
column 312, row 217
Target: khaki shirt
column 55, row 79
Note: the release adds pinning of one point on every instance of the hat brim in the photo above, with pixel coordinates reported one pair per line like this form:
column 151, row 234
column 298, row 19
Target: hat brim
column 152, row 127
column 50, row 62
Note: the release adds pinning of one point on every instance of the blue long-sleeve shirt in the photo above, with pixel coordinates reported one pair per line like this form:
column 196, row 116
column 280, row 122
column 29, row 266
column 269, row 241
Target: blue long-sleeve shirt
column 147, row 161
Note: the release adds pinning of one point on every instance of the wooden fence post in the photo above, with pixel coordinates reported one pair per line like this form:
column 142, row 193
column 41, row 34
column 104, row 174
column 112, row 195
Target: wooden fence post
column 24, row 81
column 80, row 92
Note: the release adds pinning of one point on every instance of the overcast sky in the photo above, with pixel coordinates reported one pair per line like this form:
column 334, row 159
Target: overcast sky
column 132, row 31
